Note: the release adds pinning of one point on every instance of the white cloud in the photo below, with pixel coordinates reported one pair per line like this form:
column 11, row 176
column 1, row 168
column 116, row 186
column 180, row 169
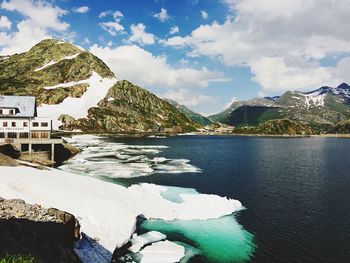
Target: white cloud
column 204, row 14
column 162, row 16
column 139, row 35
column 292, row 34
column 153, row 72
column 188, row 98
column 275, row 75
column 105, row 13
column 112, row 27
column 82, row 9
column 5, row 23
column 174, row 30
column 41, row 20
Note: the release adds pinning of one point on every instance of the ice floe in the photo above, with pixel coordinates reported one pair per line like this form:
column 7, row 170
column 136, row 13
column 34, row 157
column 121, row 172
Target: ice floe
column 104, row 158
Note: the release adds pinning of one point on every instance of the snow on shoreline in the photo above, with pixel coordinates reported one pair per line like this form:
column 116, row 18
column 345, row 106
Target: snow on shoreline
column 77, row 107
column 105, row 210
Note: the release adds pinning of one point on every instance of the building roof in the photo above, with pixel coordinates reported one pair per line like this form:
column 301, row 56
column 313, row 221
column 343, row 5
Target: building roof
column 24, row 105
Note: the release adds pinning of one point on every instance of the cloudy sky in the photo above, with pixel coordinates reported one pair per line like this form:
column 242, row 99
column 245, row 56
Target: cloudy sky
column 202, row 53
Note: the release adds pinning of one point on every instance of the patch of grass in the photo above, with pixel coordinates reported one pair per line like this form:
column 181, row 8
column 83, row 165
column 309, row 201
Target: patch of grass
column 18, row 259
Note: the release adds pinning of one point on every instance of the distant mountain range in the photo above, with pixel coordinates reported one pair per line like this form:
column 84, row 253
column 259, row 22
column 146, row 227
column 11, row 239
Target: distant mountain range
column 321, row 108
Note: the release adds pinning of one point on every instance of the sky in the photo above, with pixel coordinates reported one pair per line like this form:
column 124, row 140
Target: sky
column 204, row 54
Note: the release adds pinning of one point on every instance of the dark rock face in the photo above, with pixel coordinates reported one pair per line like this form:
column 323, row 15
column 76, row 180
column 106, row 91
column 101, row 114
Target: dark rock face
column 45, row 234
column 10, row 150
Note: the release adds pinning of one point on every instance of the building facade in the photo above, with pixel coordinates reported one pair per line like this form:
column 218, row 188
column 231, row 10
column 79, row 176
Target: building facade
column 19, row 120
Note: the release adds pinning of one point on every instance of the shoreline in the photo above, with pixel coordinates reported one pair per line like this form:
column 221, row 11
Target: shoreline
column 158, row 135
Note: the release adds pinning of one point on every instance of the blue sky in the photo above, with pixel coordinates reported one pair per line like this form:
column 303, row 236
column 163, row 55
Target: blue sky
column 202, row 53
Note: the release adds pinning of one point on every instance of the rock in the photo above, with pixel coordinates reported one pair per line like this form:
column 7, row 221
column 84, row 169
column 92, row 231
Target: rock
column 7, row 161
column 10, row 150
column 46, row 234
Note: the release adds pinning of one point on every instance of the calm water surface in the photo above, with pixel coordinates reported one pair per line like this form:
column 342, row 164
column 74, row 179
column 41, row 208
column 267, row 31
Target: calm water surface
column 296, row 190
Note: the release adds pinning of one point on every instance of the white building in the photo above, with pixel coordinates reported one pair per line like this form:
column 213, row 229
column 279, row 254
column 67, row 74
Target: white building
column 18, row 119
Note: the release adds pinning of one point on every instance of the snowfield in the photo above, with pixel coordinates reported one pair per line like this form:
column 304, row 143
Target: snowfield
column 107, row 211
column 77, row 107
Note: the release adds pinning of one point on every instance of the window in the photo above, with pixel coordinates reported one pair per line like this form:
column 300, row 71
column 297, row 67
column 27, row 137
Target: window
column 44, row 135
column 44, row 124
column 24, row 135
column 2, row 135
column 1, row 113
column 11, row 112
column 12, row 135
column 35, row 124
column 4, row 124
column 35, row 135
column 25, row 124
column 13, row 124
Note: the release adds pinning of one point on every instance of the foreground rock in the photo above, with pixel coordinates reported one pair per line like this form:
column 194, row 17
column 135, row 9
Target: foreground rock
column 45, row 234
column 7, row 161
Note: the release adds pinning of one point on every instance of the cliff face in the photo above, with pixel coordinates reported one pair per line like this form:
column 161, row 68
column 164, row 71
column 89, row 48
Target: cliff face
column 44, row 235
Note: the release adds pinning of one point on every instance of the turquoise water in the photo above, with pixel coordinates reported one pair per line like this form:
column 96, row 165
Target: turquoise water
column 220, row 240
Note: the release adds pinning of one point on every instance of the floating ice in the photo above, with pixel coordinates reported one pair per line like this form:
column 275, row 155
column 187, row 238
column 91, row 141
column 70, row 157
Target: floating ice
column 163, row 252
column 105, row 159
column 139, row 241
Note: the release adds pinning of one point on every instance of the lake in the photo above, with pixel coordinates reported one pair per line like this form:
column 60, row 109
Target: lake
column 296, row 190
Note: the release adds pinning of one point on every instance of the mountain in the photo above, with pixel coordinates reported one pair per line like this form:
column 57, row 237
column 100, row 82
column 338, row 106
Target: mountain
column 128, row 108
column 278, row 127
column 70, row 83
column 222, row 116
column 196, row 117
column 320, row 108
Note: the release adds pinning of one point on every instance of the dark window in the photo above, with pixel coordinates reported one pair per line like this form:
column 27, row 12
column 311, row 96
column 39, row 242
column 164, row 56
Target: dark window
column 4, row 124
column 25, row 124
column 13, row 124
column 1, row 112
column 2, row 135
column 11, row 112
column 12, row 135
column 24, row 135
column 44, row 135
column 35, row 124
column 44, row 124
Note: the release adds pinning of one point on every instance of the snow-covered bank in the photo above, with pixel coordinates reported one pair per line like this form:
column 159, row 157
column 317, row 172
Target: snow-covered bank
column 106, row 211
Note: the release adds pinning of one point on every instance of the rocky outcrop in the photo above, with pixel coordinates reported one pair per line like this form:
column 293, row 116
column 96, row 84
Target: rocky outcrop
column 45, row 234
column 7, row 161
column 10, row 150
column 128, row 108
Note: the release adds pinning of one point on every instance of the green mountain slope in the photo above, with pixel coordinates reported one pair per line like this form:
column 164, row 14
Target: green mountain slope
column 196, row 117
column 320, row 108
column 49, row 63
column 279, row 127
column 129, row 108
column 224, row 115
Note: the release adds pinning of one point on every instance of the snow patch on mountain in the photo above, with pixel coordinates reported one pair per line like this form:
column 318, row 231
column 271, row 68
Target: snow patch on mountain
column 55, row 62
column 77, row 107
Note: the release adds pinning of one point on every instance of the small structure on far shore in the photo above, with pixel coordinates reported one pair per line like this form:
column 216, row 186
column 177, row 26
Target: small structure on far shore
column 20, row 126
